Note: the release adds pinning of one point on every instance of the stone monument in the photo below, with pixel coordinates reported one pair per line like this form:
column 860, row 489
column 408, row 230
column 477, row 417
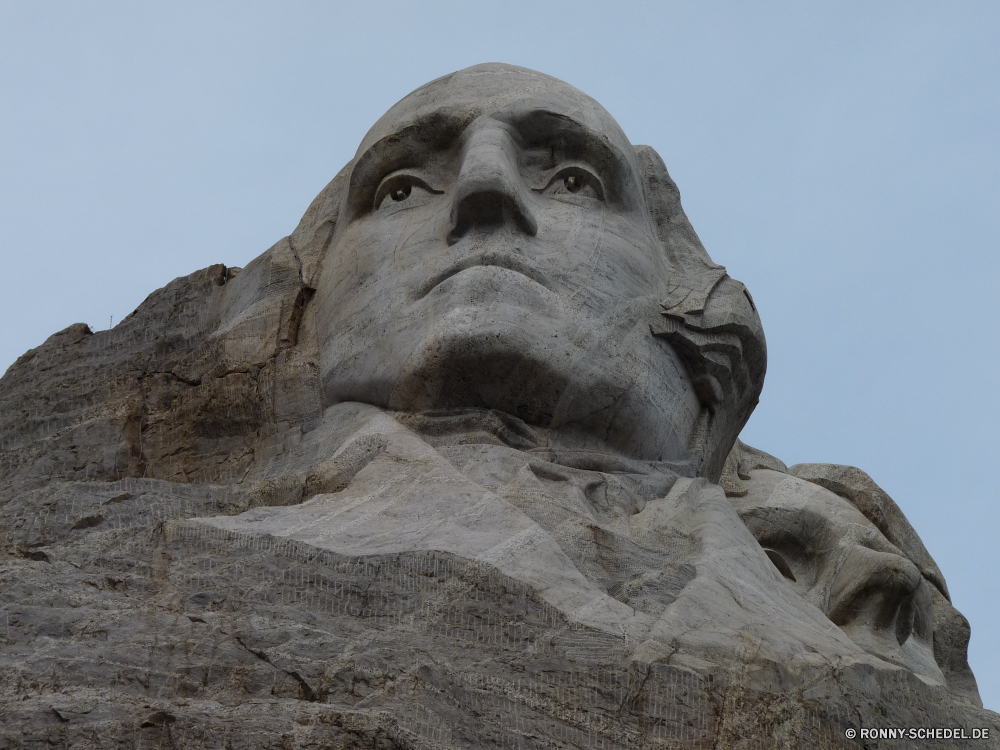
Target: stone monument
column 454, row 465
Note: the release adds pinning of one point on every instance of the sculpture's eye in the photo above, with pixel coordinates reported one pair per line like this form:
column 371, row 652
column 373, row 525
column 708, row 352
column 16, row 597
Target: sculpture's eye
column 574, row 182
column 403, row 188
column 780, row 563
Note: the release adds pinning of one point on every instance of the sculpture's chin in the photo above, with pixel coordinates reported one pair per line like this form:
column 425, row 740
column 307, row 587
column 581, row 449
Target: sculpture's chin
column 583, row 397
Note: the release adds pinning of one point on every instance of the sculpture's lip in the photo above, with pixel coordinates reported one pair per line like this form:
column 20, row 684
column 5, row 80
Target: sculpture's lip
column 496, row 260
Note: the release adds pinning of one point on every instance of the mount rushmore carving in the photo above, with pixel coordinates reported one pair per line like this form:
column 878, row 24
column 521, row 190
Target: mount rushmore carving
column 455, row 464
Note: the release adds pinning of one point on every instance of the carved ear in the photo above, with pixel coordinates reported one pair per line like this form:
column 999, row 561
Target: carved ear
column 680, row 242
column 312, row 236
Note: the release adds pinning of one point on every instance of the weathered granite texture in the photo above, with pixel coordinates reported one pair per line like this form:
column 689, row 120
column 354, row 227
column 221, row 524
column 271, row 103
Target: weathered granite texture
column 452, row 465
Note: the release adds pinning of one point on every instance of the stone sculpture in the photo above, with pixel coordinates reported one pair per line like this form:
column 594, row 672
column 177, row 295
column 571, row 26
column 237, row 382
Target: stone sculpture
column 455, row 464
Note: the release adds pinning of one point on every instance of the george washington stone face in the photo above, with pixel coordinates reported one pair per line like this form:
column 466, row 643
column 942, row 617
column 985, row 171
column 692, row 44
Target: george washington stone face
column 494, row 250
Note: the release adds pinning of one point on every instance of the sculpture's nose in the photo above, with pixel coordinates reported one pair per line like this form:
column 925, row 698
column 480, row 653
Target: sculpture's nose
column 489, row 192
column 869, row 592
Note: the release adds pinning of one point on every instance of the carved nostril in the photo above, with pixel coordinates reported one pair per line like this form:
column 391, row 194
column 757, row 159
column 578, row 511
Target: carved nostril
column 905, row 618
column 484, row 209
column 489, row 210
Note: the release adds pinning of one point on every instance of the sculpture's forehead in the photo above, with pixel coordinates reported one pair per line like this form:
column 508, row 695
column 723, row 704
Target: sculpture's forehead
column 795, row 502
column 493, row 88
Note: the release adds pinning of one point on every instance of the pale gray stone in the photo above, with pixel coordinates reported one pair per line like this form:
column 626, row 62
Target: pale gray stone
column 448, row 467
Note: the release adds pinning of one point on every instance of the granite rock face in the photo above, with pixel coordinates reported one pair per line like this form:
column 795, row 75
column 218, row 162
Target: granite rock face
column 453, row 465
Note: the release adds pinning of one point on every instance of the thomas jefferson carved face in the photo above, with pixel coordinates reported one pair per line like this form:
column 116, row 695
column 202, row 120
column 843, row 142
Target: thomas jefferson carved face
column 839, row 561
column 494, row 250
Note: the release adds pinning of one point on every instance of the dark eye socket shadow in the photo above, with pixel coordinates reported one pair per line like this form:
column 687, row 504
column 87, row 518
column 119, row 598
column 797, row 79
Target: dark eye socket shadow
column 535, row 129
column 405, row 148
column 557, row 138
column 799, row 532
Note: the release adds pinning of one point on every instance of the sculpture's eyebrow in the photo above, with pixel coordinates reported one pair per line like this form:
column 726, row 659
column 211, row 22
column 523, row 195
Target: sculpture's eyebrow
column 542, row 126
column 405, row 147
column 538, row 126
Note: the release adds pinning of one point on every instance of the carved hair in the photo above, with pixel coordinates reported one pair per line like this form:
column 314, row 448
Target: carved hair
column 709, row 319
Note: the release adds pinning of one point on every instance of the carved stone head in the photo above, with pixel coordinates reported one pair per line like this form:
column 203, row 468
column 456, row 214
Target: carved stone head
column 497, row 243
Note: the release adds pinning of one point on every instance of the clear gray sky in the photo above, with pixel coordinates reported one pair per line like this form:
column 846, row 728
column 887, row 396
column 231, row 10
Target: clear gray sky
column 841, row 158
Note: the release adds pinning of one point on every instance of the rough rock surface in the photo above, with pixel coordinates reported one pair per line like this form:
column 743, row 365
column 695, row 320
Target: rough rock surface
column 205, row 546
